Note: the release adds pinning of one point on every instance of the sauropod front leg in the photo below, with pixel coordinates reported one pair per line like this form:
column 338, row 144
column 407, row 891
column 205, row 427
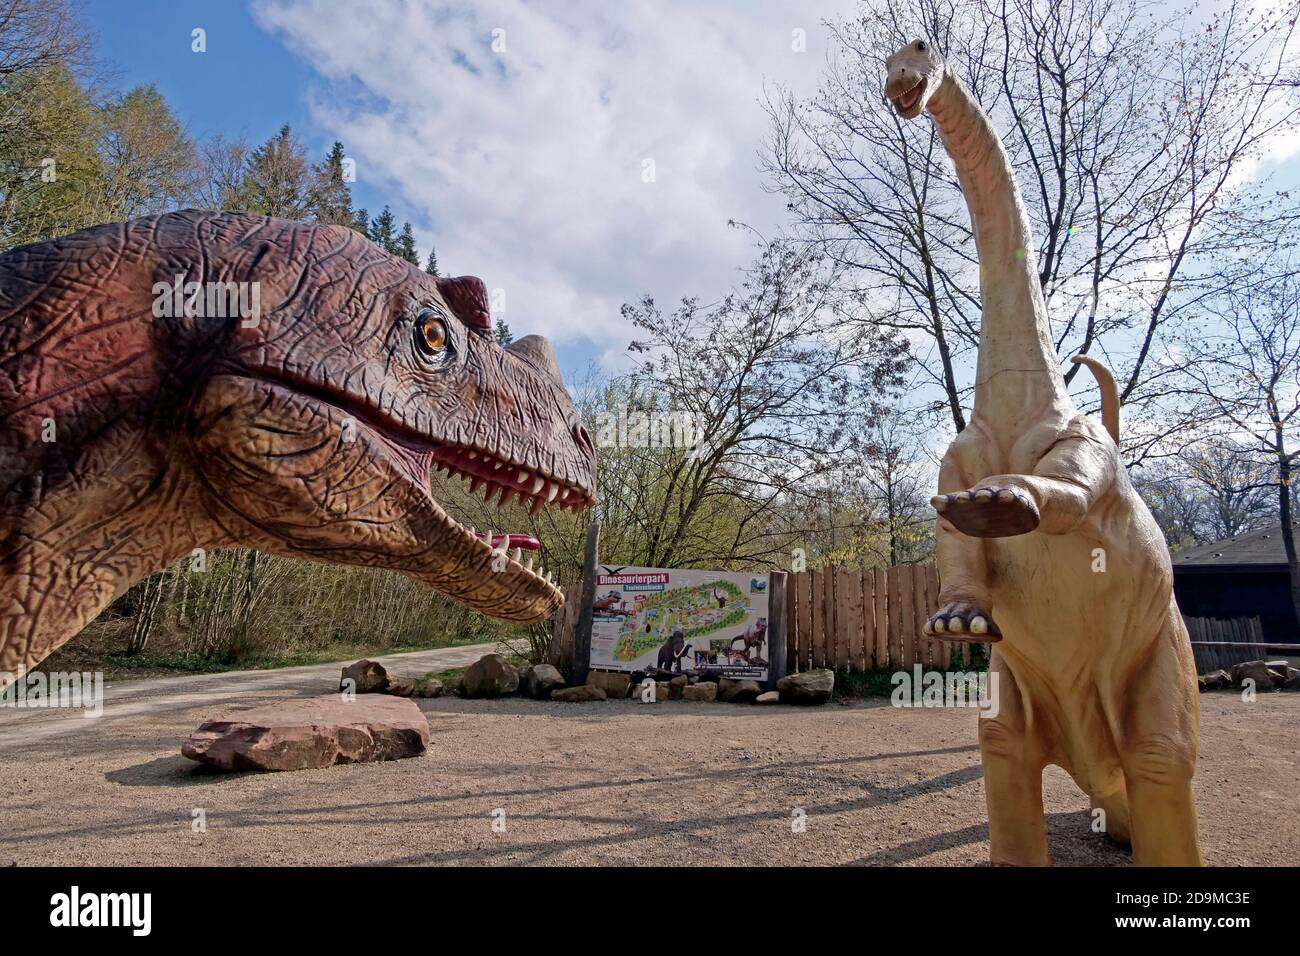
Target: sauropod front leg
column 1054, row 499
column 963, row 613
column 1013, row 778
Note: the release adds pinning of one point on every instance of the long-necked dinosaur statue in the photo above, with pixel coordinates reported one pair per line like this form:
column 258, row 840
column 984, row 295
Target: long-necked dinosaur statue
column 203, row 380
column 1045, row 549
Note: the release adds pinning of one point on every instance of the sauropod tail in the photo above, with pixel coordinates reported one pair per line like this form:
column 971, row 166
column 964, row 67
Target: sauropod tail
column 1109, row 393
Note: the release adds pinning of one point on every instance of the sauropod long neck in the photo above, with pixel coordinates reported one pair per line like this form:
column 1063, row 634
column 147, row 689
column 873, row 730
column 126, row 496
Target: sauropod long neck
column 1018, row 377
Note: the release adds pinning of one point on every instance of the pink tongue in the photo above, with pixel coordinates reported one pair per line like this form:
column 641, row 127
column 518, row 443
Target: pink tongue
column 524, row 541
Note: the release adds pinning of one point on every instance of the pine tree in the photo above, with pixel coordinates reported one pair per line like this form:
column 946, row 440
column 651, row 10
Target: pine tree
column 405, row 246
column 331, row 197
column 361, row 222
column 382, row 230
column 431, row 264
column 278, row 181
column 503, row 333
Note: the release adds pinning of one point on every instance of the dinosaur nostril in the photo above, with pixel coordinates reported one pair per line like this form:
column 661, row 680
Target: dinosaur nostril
column 581, row 437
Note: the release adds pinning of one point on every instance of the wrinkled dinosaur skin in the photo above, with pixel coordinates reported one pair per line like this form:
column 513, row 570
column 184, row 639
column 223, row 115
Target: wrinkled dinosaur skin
column 1094, row 666
column 310, row 429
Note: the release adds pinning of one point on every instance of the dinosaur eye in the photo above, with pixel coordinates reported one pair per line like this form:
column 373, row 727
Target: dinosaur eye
column 430, row 333
column 920, row 46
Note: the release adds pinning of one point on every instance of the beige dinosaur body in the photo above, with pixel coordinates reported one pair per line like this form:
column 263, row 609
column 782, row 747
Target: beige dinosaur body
column 1045, row 549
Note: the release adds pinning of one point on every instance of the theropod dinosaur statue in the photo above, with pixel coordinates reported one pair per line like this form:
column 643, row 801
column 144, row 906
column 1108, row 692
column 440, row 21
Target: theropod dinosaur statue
column 1045, row 548
column 207, row 380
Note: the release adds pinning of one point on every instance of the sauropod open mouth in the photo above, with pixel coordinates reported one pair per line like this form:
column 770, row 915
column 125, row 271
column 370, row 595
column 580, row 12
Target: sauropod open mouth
column 906, row 101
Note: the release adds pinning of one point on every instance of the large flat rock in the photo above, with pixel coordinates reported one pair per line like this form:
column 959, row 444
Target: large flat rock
column 312, row 733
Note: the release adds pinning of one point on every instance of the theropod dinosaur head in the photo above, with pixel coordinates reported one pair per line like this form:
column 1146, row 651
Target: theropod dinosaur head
column 912, row 75
column 218, row 380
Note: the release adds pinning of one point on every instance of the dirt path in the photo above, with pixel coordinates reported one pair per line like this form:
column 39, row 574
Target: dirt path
column 136, row 698
column 615, row 782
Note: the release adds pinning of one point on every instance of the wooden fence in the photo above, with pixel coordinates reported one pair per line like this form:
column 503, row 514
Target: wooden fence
column 1222, row 642
column 864, row 619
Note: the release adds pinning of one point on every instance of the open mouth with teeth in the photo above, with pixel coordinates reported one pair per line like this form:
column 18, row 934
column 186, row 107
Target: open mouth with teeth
column 496, row 572
column 505, row 482
column 906, row 101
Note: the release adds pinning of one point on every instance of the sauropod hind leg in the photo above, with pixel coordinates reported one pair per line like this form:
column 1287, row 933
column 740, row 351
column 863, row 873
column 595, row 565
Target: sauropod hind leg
column 1115, row 819
column 1159, row 754
column 1013, row 780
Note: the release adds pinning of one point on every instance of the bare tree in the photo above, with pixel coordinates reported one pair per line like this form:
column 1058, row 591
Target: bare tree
column 1130, row 135
column 777, row 387
column 1244, row 370
column 1209, row 491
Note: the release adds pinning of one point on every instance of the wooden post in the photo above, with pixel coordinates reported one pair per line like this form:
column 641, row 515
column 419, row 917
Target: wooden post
column 804, row 583
column 817, row 647
column 582, row 633
column 776, row 627
column 880, row 591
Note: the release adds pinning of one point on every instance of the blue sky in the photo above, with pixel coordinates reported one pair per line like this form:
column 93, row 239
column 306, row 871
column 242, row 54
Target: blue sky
column 514, row 135
column 543, row 201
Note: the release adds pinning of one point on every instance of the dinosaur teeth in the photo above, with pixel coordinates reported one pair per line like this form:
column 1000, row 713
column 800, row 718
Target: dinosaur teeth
column 551, row 491
column 528, row 564
column 538, row 484
column 507, row 495
column 536, row 507
column 473, row 455
column 517, row 554
column 474, row 485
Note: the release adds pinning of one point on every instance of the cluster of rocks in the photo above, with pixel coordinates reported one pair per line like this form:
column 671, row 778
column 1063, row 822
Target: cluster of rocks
column 370, row 677
column 1266, row 675
column 494, row 676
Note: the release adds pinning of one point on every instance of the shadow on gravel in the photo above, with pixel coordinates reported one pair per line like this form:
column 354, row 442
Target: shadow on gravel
column 173, row 771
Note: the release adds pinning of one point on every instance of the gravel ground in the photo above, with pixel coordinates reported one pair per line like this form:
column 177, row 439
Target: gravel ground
column 607, row 783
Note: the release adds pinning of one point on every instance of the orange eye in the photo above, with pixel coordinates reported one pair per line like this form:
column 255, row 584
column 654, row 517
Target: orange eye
column 431, row 334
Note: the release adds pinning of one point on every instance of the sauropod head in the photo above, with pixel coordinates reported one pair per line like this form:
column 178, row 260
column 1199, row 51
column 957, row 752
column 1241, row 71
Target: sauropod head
column 911, row 77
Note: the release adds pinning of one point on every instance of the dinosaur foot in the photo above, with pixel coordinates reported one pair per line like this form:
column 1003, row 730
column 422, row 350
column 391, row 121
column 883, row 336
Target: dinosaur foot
column 989, row 511
column 960, row 621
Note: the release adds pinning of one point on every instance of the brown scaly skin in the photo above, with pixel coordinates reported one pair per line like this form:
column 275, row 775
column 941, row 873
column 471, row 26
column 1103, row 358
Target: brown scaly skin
column 311, row 434
column 1093, row 664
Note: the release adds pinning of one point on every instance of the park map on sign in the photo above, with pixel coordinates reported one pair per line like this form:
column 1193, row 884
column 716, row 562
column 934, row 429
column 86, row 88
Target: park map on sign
column 698, row 610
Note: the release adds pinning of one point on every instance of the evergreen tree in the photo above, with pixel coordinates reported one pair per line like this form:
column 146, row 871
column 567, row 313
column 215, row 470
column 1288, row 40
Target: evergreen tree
column 383, row 231
column 361, row 222
column 331, row 197
column 431, row 263
column 278, row 181
column 503, row 333
column 405, row 246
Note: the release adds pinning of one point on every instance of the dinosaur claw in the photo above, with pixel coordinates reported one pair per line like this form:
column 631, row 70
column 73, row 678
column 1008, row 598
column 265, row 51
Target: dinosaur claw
column 992, row 511
column 963, row 621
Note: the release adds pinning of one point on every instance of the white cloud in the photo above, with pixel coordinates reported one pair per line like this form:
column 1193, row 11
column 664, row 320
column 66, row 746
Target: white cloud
column 528, row 163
